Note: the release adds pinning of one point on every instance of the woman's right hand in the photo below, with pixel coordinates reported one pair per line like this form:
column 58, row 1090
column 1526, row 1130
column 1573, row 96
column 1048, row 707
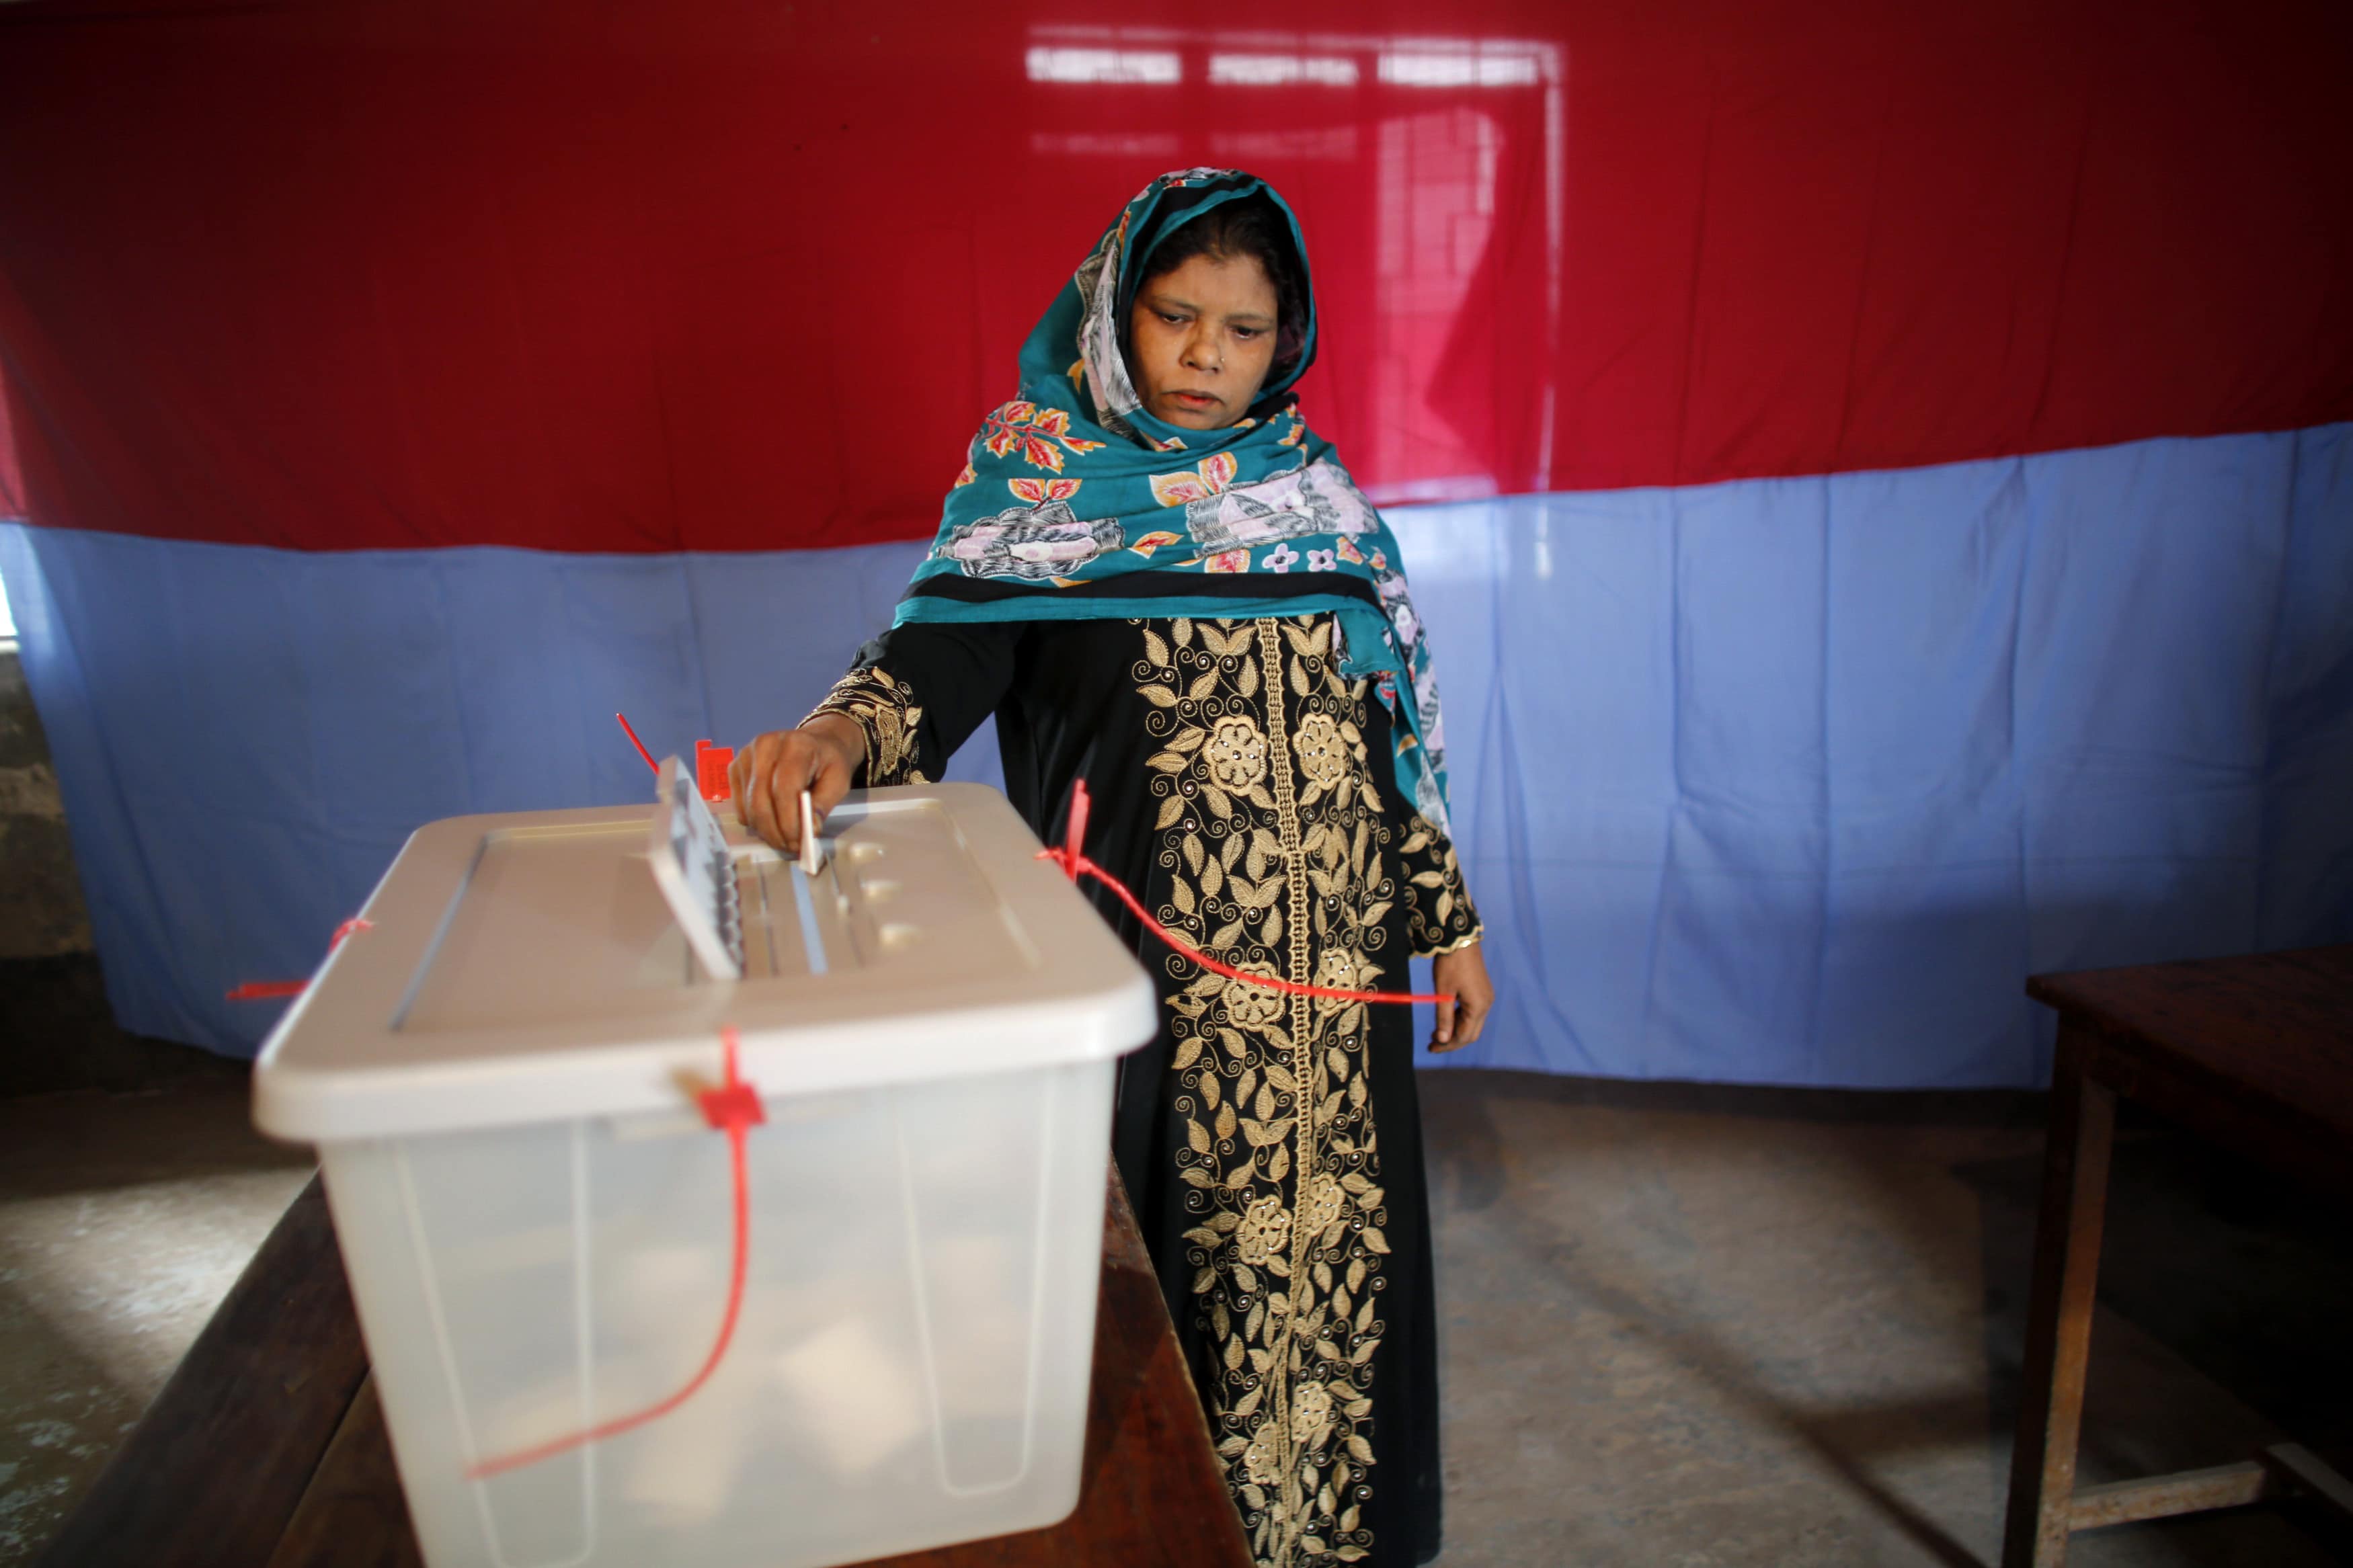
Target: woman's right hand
column 770, row 770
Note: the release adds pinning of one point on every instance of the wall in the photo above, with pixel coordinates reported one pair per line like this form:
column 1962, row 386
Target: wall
column 55, row 1029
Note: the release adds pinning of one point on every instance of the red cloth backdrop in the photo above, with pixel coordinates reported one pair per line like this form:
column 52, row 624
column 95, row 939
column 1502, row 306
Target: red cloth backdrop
column 738, row 276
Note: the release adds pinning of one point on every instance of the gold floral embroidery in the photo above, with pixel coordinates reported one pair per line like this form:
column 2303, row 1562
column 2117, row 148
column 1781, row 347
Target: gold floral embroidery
column 1318, row 744
column 1321, row 1205
column 886, row 710
column 1264, row 1230
column 1439, row 915
column 1279, row 861
column 1251, row 1006
column 1337, row 969
column 1236, row 753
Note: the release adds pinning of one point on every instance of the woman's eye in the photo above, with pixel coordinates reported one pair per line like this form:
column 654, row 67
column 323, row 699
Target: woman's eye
column 1172, row 320
column 1246, row 333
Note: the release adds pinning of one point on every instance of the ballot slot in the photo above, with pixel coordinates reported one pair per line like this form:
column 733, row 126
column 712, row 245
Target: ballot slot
column 770, row 919
column 577, row 914
column 759, row 932
column 796, row 923
column 749, row 912
column 879, row 867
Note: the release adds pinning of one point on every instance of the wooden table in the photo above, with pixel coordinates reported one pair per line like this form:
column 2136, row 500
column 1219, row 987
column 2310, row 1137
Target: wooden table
column 267, row 1448
column 2255, row 1053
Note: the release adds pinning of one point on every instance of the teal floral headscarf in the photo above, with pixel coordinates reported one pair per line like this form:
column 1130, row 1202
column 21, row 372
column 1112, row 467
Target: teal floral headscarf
column 1077, row 504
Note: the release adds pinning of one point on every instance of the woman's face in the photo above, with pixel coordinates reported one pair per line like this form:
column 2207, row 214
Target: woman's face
column 1202, row 339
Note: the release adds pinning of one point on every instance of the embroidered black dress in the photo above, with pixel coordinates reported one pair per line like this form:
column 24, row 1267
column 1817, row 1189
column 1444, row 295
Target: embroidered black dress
column 1242, row 788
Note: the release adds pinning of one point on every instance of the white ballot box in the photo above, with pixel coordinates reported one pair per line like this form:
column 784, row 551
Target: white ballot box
column 501, row 1070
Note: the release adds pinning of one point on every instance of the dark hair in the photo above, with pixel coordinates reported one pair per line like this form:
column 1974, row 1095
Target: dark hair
column 1254, row 227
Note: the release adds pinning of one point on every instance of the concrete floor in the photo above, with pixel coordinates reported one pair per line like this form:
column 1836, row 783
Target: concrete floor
column 1686, row 1328
column 123, row 1221
column 1708, row 1328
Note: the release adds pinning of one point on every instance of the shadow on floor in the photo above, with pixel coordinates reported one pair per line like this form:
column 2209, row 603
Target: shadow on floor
column 1758, row 1302
column 57, row 1035
column 2208, row 1260
column 194, row 1130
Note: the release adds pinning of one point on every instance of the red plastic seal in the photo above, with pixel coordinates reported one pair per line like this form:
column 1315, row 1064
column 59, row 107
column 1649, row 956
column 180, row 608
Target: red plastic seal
column 711, row 766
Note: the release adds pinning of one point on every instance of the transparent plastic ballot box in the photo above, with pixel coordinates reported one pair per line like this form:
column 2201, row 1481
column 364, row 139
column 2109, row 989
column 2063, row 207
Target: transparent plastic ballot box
column 500, row 1070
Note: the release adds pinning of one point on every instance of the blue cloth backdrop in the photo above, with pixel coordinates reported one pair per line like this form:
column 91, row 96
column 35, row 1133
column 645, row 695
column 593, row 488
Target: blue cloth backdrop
column 1788, row 781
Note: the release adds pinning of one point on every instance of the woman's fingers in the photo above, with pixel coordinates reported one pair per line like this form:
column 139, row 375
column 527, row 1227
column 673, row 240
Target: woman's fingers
column 739, row 774
column 828, row 785
column 1470, row 1019
column 1461, row 974
column 751, row 791
column 767, row 799
column 840, row 749
column 770, row 770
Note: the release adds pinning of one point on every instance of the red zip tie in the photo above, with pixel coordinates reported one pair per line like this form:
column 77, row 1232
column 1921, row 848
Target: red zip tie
column 268, row 990
column 735, row 1108
column 1069, row 860
column 640, row 745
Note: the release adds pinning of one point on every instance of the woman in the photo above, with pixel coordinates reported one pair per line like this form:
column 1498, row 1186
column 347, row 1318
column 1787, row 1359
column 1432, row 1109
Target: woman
column 1162, row 583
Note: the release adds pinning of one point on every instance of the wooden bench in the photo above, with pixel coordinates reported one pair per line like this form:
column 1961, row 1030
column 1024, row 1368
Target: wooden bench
column 2253, row 1053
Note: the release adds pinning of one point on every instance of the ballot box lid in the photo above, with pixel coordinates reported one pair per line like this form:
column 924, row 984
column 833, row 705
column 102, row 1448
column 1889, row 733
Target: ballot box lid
column 525, row 968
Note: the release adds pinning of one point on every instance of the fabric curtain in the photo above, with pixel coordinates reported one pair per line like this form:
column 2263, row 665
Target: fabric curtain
column 1785, row 781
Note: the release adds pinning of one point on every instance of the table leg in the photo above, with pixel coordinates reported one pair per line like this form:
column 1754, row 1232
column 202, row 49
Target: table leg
column 2059, row 1310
